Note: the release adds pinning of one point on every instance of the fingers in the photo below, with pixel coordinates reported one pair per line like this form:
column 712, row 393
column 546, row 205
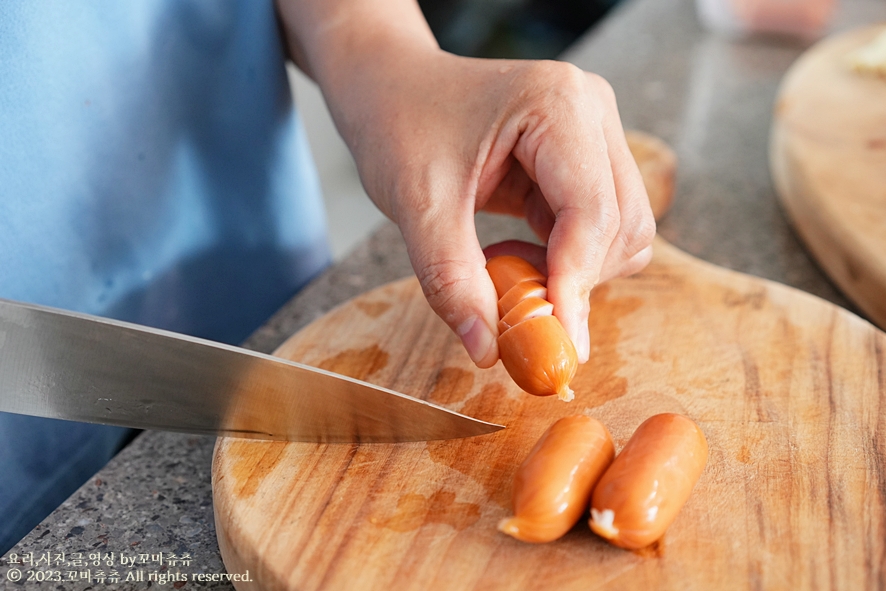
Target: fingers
column 538, row 214
column 632, row 243
column 585, row 173
column 451, row 268
column 518, row 195
column 576, row 250
column 558, row 157
column 636, row 263
column 574, row 174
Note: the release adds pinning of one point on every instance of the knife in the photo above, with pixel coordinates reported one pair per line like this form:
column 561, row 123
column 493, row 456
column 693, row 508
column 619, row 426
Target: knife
column 67, row 365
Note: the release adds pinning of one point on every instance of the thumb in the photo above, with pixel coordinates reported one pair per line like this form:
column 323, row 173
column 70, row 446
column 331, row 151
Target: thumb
column 451, row 268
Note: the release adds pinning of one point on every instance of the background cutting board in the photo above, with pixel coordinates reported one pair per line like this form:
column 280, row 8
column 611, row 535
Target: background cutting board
column 828, row 156
column 790, row 391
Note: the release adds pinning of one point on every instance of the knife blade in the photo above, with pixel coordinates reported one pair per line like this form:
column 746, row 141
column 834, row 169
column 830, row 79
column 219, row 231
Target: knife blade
column 73, row 366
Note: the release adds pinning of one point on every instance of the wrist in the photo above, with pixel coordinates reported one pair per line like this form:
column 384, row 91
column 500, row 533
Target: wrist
column 353, row 48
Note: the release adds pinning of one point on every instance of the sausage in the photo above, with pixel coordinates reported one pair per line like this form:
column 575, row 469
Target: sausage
column 506, row 271
column 532, row 344
column 531, row 307
column 553, row 485
column 518, row 293
column 641, row 493
column 540, row 357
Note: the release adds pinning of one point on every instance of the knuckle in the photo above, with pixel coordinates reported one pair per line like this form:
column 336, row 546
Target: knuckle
column 609, row 223
column 643, row 232
column 567, row 75
column 443, row 282
column 554, row 81
column 413, row 194
column 637, row 234
column 601, row 227
column 600, row 86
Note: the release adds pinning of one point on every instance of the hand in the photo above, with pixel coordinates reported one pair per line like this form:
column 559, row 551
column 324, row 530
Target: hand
column 438, row 137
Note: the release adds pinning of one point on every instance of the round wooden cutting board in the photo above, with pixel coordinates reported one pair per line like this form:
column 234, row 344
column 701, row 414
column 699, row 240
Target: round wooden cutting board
column 789, row 389
column 828, row 159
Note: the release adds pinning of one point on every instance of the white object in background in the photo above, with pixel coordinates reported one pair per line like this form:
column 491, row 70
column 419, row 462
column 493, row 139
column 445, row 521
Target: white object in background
column 719, row 15
column 803, row 18
column 871, row 58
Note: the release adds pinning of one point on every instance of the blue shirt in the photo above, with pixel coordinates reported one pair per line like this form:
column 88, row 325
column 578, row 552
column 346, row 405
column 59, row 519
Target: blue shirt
column 152, row 166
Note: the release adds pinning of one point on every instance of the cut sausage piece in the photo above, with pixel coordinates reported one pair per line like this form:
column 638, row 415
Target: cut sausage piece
column 641, row 493
column 520, row 292
column 528, row 308
column 553, row 485
column 540, row 357
column 506, row 271
column 532, row 344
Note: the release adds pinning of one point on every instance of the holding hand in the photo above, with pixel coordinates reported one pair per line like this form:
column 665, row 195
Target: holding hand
column 438, row 137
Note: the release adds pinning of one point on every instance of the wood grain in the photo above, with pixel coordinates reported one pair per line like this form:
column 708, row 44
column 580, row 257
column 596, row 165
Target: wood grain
column 828, row 160
column 789, row 390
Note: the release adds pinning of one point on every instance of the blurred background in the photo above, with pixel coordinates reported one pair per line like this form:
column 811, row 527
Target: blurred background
column 511, row 28
column 527, row 29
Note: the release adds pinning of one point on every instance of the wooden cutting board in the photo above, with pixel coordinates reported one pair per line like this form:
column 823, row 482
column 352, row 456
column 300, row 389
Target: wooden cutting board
column 828, row 159
column 790, row 391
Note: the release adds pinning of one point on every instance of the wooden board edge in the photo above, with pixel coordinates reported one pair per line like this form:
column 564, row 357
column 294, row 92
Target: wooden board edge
column 236, row 559
column 670, row 254
column 829, row 243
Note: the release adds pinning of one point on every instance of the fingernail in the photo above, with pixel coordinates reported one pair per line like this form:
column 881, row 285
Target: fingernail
column 476, row 337
column 584, row 344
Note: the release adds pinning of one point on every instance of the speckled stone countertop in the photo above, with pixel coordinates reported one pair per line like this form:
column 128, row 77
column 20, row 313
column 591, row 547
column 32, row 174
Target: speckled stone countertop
column 149, row 512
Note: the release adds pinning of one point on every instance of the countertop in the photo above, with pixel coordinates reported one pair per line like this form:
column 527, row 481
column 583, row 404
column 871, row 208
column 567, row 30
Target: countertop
column 149, row 511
